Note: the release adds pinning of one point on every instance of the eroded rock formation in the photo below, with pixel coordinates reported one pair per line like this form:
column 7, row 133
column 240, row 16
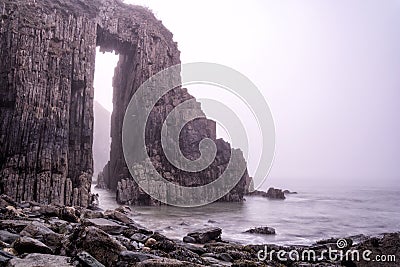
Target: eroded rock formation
column 47, row 56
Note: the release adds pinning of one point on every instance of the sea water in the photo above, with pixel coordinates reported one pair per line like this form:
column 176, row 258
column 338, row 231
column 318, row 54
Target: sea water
column 301, row 219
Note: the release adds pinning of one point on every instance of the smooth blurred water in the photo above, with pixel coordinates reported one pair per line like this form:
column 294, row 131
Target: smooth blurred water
column 301, row 219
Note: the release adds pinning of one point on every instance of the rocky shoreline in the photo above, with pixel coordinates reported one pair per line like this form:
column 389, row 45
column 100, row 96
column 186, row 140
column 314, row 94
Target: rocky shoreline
column 35, row 235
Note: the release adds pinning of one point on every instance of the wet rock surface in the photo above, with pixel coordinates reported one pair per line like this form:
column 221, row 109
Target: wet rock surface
column 46, row 240
column 206, row 235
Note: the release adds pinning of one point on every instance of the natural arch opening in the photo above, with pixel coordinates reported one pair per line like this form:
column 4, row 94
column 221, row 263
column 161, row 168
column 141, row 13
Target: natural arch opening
column 102, row 109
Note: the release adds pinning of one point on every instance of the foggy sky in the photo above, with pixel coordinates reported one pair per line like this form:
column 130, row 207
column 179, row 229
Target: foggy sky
column 330, row 71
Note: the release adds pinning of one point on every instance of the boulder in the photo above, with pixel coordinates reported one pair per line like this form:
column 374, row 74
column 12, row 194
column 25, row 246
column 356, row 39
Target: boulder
column 275, row 193
column 15, row 225
column 194, row 248
column 133, row 256
column 36, row 229
column 50, row 211
column 134, row 228
column 139, row 237
column 60, row 226
column 92, row 214
column 97, row 243
column 106, row 225
column 206, row 235
column 118, row 216
column 150, row 242
column 70, row 214
column 41, row 260
column 124, row 209
column 146, row 249
column 164, row 245
column 126, row 242
column 159, row 237
column 26, row 244
column 87, row 260
column 44, row 234
column 225, row 257
column 265, row 230
column 189, row 239
column 8, row 237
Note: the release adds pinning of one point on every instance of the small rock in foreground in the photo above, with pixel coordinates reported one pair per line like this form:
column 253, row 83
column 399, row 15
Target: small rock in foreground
column 205, row 235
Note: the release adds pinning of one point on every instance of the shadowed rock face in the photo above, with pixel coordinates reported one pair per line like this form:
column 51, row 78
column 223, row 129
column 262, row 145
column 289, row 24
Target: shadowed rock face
column 47, row 59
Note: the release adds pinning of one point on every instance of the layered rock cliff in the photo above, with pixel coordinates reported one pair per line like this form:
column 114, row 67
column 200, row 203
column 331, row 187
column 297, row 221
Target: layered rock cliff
column 47, row 56
column 46, row 90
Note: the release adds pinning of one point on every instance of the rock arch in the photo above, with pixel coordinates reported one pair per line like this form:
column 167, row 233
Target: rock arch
column 47, row 59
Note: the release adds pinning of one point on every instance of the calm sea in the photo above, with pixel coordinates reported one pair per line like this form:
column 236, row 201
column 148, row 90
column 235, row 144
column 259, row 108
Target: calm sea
column 301, row 219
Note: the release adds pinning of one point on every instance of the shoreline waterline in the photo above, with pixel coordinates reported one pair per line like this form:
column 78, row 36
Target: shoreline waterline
column 301, row 219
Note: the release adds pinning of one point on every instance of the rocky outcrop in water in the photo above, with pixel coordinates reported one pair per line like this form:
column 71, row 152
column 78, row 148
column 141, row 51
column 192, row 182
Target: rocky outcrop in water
column 47, row 59
column 265, row 230
column 288, row 192
column 272, row 193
